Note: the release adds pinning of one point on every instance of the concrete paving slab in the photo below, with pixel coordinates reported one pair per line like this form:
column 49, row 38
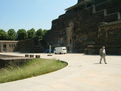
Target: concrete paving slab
column 83, row 73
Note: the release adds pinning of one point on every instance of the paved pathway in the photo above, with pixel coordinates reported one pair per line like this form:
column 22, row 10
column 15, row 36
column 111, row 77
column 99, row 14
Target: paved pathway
column 82, row 74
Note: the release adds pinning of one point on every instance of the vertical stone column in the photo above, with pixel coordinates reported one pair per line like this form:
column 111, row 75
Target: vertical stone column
column 93, row 9
column 106, row 34
column 69, row 32
column 99, row 30
column 119, row 15
column 1, row 45
column 105, row 12
column 7, row 48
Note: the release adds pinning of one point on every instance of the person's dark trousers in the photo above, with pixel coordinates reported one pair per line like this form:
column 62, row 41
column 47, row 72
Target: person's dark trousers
column 103, row 57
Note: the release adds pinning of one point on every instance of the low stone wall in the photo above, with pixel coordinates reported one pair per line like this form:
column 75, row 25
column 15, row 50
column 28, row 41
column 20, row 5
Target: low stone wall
column 6, row 60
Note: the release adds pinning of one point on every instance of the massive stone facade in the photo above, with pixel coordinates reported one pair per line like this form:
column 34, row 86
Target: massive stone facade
column 78, row 28
column 80, row 1
column 110, row 34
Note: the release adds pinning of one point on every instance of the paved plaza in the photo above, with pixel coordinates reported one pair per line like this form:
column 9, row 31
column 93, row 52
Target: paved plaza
column 83, row 73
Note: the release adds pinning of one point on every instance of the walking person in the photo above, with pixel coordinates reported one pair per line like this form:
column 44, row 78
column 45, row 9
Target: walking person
column 102, row 53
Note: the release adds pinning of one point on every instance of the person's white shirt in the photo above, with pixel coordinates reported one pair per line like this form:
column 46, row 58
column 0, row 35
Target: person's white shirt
column 104, row 51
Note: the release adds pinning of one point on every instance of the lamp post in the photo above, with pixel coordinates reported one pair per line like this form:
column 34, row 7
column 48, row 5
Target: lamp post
column 50, row 49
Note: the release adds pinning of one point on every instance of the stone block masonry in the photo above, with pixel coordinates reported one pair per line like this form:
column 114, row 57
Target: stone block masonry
column 77, row 29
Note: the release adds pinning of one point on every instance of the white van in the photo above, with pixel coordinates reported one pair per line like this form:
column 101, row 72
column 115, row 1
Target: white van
column 60, row 50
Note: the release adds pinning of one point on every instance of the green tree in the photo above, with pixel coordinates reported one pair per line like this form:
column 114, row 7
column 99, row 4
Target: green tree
column 3, row 35
column 11, row 34
column 39, row 34
column 31, row 33
column 21, row 34
column 44, row 32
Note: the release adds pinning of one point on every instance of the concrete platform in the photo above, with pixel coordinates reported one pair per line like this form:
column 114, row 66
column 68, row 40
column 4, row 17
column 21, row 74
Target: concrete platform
column 14, row 58
column 84, row 73
column 5, row 59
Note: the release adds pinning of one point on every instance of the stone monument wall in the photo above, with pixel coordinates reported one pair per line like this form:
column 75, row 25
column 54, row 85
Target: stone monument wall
column 77, row 29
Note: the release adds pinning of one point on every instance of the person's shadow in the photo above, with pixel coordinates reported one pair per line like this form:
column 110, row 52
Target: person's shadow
column 96, row 63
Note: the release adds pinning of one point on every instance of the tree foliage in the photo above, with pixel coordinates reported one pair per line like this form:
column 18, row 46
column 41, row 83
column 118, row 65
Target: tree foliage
column 44, row 32
column 39, row 34
column 3, row 35
column 11, row 34
column 21, row 34
column 31, row 33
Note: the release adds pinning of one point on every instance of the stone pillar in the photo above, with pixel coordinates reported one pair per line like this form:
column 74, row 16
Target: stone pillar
column 106, row 34
column 99, row 30
column 1, row 45
column 105, row 12
column 69, row 32
column 93, row 9
column 119, row 15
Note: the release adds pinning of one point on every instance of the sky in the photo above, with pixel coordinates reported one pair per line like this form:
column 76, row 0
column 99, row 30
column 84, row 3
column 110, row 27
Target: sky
column 27, row 14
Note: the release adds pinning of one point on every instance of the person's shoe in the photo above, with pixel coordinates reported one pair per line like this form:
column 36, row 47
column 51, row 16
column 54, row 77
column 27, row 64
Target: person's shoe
column 105, row 63
column 100, row 63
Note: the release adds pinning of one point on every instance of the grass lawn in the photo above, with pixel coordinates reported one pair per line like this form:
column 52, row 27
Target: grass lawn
column 32, row 68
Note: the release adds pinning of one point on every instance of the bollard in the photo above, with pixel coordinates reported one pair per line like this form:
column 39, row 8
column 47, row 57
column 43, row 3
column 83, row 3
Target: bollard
column 31, row 56
column 37, row 56
column 26, row 55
